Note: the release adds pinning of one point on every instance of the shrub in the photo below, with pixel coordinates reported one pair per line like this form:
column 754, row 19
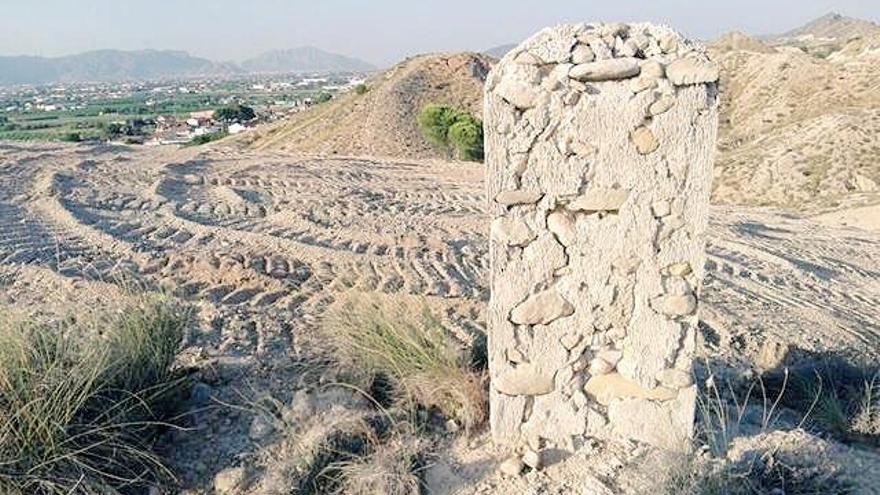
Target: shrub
column 466, row 137
column 402, row 341
column 72, row 137
column 323, row 97
column 235, row 113
column 207, row 138
column 82, row 400
column 454, row 132
column 361, row 89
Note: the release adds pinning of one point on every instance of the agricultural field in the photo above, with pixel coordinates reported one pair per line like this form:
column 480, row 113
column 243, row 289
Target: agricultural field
column 79, row 112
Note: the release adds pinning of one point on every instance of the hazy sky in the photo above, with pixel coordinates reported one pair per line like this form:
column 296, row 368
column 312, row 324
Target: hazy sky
column 379, row 31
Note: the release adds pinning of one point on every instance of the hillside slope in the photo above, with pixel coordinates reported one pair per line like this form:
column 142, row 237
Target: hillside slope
column 796, row 129
column 382, row 122
column 836, row 26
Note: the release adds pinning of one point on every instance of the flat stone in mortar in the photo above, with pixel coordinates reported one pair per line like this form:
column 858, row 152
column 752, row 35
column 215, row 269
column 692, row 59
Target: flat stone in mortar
column 541, row 309
column 606, row 70
column 525, row 379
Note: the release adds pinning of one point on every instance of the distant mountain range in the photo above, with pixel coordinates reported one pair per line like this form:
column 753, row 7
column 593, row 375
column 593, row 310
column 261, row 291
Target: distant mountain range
column 118, row 65
column 305, row 59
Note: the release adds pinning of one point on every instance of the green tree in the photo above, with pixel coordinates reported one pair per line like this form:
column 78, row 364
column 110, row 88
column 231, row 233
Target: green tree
column 323, row 97
column 235, row 113
column 466, row 138
column 361, row 89
column 455, row 132
column 72, row 137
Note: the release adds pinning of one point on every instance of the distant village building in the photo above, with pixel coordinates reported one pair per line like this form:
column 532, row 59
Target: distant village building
column 237, row 128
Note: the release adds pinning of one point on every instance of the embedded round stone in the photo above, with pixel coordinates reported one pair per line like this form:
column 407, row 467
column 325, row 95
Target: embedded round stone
column 645, row 141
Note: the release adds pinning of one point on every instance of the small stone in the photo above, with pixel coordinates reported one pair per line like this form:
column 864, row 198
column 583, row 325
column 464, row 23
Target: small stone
column 599, row 200
column 661, row 105
column 679, row 269
column 527, row 58
column 677, row 305
column 661, row 208
column 261, row 428
column 518, row 197
column 606, row 70
column 532, row 459
column 582, row 54
column 599, row 366
column 518, row 93
column 612, row 29
column 541, row 309
column 525, row 379
column 452, row 426
column 625, row 48
column 674, row 378
column 645, row 141
column 639, row 40
column 515, row 356
column 512, row 231
column 611, row 356
column 581, row 148
column 512, row 467
column 652, row 69
column 685, row 71
column 640, row 84
column 606, row 388
column 668, row 43
column 599, row 47
column 230, row 481
column 562, row 226
column 569, row 341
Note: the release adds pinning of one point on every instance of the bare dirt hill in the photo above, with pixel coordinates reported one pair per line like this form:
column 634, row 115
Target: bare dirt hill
column 836, row 26
column 382, row 122
column 798, row 130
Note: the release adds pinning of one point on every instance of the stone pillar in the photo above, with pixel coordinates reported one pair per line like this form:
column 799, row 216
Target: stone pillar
column 599, row 151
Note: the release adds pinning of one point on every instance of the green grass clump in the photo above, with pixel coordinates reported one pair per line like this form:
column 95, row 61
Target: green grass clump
column 401, row 340
column 81, row 400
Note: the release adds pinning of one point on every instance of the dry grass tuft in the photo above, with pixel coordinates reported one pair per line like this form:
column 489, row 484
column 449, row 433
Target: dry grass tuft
column 81, row 399
column 387, row 468
column 401, row 340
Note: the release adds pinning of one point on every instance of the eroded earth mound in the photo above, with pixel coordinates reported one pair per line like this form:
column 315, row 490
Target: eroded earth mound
column 382, row 121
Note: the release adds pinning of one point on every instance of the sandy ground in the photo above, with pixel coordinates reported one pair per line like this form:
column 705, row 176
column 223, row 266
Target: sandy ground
column 866, row 218
column 262, row 242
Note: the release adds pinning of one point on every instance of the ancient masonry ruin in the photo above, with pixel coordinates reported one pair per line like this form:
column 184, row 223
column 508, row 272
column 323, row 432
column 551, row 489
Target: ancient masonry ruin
column 599, row 148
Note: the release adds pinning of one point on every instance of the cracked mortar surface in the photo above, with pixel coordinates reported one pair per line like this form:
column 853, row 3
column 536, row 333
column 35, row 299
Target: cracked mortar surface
column 599, row 149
